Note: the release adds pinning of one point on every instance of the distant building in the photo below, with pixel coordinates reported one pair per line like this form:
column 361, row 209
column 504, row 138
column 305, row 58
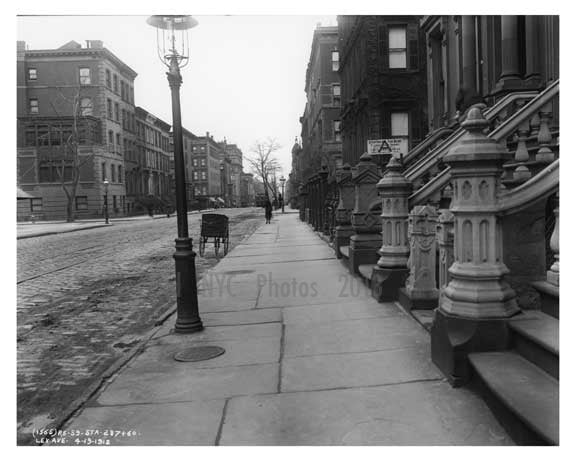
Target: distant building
column 234, row 154
column 190, row 165
column 50, row 83
column 206, row 176
column 247, row 194
column 148, row 175
column 321, row 127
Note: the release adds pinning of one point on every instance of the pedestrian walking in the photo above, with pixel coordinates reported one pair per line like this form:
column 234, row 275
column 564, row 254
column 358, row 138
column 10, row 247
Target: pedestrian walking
column 268, row 211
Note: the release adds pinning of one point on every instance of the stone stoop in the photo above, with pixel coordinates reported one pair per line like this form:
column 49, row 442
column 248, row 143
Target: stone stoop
column 521, row 384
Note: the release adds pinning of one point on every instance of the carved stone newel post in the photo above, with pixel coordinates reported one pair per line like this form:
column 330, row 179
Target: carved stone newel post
column 420, row 291
column 343, row 212
column 475, row 303
column 366, row 240
column 391, row 271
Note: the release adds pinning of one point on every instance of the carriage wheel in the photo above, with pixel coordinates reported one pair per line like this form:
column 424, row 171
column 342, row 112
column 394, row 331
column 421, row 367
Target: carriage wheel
column 226, row 241
column 201, row 245
column 216, row 245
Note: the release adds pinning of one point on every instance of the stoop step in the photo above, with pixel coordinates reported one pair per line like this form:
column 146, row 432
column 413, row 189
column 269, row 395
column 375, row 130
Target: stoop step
column 535, row 336
column 365, row 271
column 345, row 250
column 526, row 394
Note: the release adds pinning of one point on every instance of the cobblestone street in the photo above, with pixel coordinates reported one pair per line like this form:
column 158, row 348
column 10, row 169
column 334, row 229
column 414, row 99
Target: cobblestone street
column 86, row 297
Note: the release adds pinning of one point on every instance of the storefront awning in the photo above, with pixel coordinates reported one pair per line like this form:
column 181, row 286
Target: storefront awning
column 220, row 200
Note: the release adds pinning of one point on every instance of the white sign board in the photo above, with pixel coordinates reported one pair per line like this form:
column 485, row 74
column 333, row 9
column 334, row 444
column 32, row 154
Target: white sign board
column 395, row 146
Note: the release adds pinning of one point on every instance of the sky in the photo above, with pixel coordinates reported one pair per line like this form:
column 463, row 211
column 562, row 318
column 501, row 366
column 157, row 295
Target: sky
column 245, row 79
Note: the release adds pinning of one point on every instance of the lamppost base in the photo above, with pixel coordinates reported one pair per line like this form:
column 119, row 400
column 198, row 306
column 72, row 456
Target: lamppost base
column 188, row 319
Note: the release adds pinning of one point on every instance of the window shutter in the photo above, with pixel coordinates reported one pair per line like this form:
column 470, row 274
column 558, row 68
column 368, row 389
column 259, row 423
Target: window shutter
column 383, row 47
column 412, row 36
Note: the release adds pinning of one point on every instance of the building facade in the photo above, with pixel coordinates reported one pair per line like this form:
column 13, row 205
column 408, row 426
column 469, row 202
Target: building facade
column 190, row 166
column 234, row 154
column 206, row 175
column 483, row 58
column 247, row 192
column 150, row 181
column 383, row 78
column 57, row 90
column 321, row 127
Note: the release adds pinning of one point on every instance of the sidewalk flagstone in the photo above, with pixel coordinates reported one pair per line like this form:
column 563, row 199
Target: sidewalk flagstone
column 311, row 359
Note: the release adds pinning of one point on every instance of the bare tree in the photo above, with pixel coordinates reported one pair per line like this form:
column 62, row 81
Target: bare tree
column 264, row 164
column 65, row 159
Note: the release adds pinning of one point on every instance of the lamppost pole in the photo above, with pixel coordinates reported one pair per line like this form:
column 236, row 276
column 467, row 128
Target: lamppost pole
column 282, row 182
column 106, row 216
column 188, row 319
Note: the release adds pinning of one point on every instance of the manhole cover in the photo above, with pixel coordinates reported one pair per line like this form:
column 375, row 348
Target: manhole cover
column 198, row 354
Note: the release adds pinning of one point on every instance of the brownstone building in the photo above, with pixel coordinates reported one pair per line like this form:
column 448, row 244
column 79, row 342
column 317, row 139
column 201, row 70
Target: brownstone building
column 383, row 77
column 321, row 138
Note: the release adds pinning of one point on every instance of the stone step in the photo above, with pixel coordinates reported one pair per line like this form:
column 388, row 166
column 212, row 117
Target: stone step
column 365, row 271
column 535, row 336
column 345, row 250
column 523, row 397
column 550, row 296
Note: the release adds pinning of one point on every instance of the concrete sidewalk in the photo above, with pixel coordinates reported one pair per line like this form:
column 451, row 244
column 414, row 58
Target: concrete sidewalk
column 311, row 359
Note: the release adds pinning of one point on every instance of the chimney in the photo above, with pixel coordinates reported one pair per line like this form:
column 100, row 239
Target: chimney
column 94, row 44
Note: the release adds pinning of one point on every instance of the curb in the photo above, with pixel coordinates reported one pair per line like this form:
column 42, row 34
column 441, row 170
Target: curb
column 27, row 439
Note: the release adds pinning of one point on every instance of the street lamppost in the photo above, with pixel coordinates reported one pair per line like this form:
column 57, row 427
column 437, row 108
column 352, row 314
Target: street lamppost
column 173, row 47
column 106, row 184
column 282, row 181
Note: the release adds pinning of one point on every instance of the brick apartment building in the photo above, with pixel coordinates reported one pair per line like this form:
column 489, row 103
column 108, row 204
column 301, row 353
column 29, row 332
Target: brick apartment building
column 56, row 88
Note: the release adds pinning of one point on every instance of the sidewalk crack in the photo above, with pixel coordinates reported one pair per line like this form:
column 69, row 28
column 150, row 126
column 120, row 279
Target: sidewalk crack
column 221, row 425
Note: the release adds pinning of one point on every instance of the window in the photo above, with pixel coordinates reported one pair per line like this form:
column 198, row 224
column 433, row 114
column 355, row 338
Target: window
column 81, row 203
column 203, row 162
column 336, row 95
column 85, row 76
column 204, row 190
column 195, row 162
column 120, row 174
column 397, row 47
column 35, row 205
column 115, row 83
column 108, row 79
column 122, row 92
column 110, row 137
column 337, row 130
column 103, row 171
column 118, row 139
column 335, row 60
column 33, row 106
column 195, row 176
column 113, row 172
column 116, row 112
column 203, row 175
column 32, row 74
column 399, row 124
column 86, row 106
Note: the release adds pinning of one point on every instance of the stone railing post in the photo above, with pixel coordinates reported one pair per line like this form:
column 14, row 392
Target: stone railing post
column 445, row 238
column 553, row 275
column 343, row 211
column 477, row 301
column 366, row 224
column 302, row 202
column 391, row 271
column 420, row 291
column 323, row 183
